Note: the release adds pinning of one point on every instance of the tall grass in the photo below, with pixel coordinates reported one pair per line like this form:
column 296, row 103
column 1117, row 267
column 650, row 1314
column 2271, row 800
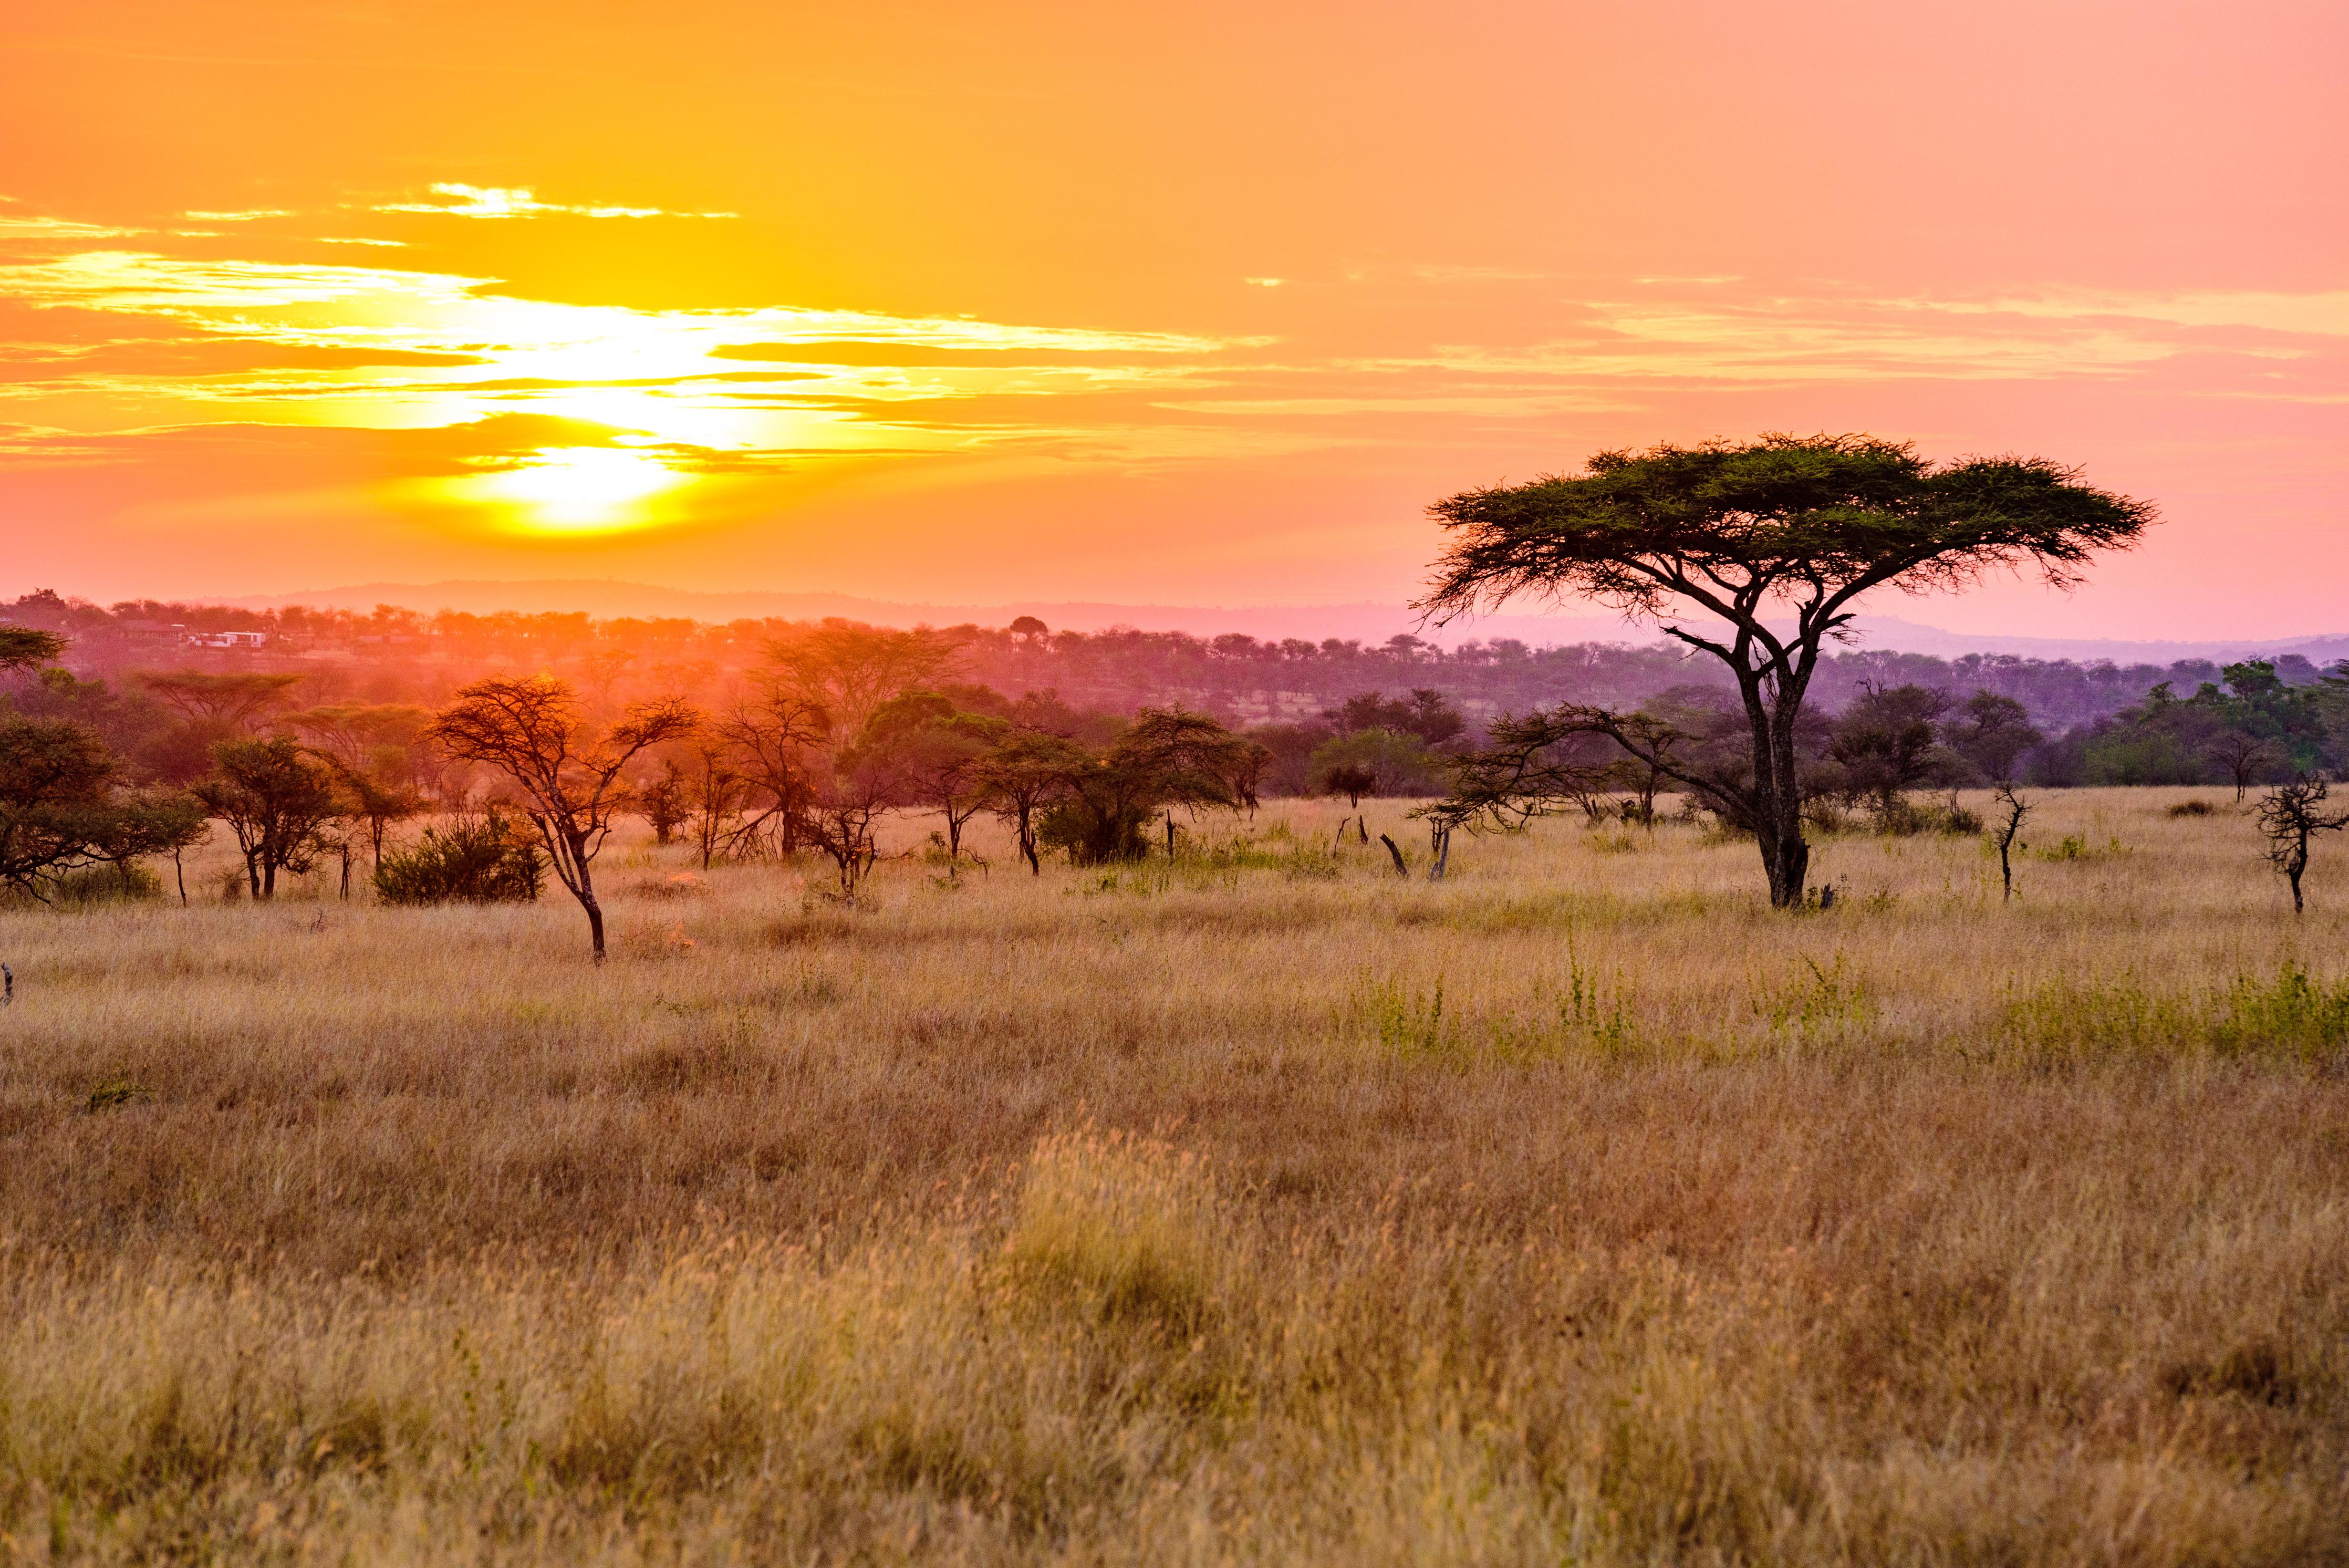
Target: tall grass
column 1266, row 1208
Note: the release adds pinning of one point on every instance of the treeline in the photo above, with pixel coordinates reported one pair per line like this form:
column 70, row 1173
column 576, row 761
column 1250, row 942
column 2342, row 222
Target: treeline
column 838, row 727
column 393, row 654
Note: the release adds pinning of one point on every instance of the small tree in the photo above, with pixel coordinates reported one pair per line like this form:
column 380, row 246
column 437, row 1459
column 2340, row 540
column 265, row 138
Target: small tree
column 1720, row 542
column 569, row 778
column 374, row 800
column 278, row 800
column 717, row 801
column 1352, row 780
column 1167, row 758
column 2290, row 815
column 55, row 781
column 1885, row 742
column 1992, row 733
column 2012, row 809
column 2245, row 757
column 158, row 820
column 1026, row 772
column 940, row 752
column 664, row 801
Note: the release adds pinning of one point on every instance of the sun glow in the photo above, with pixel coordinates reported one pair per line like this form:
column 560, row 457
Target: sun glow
column 577, row 490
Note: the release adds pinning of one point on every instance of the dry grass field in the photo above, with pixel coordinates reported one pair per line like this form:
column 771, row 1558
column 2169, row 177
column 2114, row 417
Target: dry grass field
column 1263, row 1208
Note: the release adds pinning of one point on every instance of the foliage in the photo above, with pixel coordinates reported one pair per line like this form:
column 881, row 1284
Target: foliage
column 567, row 773
column 664, row 801
column 1725, row 533
column 277, row 799
column 940, row 750
column 1383, row 762
column 1990, row 732
column 28, row 647
column 1023, row 775
column 1886, row 745
column 55, row 783
column 485, row 859
column 1167, row 758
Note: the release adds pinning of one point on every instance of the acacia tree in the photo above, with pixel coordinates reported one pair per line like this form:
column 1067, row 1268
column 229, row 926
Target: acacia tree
column 1719, row 543
column 2244, row 756
column 939, row 750
column 1026, row 772
column 1167, row 758
column 55, row 776
column 2290, row 815
column 568, row 777
column 27, row 647
column 1992, row 733
column 232, row 701
column 279, row 802
column 1884, row 743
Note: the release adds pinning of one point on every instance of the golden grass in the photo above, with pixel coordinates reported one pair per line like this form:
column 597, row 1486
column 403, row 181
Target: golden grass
column 1260, row 1209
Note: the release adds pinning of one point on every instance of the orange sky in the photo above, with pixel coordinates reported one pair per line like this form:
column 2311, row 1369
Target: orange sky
column 1195, row 304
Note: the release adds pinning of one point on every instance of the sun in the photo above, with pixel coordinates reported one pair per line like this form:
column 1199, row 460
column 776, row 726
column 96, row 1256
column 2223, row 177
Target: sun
column 581, row 488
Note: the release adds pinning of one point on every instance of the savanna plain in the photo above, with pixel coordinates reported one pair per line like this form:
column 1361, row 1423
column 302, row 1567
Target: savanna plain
column 1254, row 1206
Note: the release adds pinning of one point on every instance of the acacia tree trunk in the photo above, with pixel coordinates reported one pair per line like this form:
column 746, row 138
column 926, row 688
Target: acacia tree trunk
column 1777, row 791
column 587, row 891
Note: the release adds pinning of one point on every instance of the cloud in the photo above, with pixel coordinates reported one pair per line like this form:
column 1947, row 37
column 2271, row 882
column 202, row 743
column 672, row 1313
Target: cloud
column 497, row 202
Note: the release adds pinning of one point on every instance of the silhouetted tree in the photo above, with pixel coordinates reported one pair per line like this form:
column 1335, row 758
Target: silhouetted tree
column 1352, row 780
column 1742, row 533
column 570, row 779
column 939, row 750
column 2244, row 756
column 2292, row 815
column 2012, row 809
column 230, row 701
column 376, row 801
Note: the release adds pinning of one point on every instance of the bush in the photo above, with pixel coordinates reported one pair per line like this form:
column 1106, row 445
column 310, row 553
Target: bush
column 106, row 885
column 488, row 859
column 1096, row 833
column 1383, row 762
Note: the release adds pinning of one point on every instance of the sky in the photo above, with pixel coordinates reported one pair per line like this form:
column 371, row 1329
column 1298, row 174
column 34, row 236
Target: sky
column 973, row 304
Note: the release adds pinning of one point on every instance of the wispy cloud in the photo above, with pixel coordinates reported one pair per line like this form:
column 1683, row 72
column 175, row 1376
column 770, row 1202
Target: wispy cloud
column 455, row 200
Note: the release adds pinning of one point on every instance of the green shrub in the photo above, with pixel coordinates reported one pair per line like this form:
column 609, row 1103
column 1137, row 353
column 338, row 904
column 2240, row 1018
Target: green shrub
column 106, row 885
column 487, row 859
column 1096, row 833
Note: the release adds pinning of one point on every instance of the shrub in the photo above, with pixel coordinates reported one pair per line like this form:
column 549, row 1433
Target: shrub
column 106, row 885
column 2193, row 808
column 487, row 859
column 1383, row 762
column 1096, row 833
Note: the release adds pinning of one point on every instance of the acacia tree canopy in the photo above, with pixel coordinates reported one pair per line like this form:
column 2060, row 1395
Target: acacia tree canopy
column 1709, row 540
column 568, row 775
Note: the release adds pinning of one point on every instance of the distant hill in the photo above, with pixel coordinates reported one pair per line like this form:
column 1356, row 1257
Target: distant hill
column 1366, row 623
